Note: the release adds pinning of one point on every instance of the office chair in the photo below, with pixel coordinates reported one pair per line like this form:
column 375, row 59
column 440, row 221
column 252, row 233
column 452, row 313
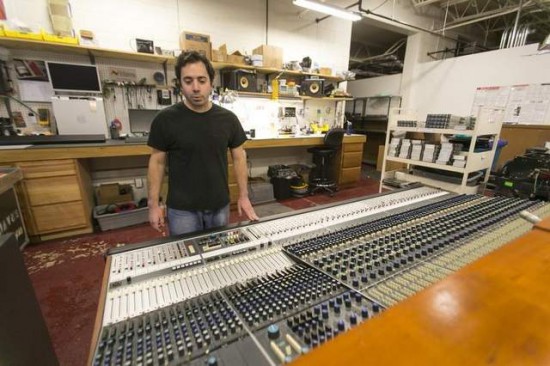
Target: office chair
column 322, row 158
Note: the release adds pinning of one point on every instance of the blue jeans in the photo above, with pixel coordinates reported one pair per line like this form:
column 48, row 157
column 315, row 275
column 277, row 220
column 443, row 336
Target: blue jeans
column 183, row 222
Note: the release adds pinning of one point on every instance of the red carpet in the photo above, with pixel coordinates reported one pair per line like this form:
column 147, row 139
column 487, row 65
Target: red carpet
column 67, row 275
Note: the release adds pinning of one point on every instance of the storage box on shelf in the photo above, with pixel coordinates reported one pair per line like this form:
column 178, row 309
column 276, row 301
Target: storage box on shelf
column 110, row 221
column 467, row 164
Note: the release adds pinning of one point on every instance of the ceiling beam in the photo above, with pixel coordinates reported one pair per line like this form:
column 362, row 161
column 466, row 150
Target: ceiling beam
column 459, row 22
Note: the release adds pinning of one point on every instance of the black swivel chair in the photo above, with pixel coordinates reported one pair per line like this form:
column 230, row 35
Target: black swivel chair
column 322, row 177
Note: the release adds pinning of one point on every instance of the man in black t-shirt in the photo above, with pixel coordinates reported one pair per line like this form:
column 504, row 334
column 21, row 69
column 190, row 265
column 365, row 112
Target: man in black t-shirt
column 193, row 137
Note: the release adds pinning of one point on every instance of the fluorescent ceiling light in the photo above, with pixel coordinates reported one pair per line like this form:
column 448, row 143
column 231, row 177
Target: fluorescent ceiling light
column 327, row 9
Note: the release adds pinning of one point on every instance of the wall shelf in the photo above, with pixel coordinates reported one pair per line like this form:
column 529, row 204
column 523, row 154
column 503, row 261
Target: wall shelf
column 16, row 43
column 299, row 97
column 92, row 52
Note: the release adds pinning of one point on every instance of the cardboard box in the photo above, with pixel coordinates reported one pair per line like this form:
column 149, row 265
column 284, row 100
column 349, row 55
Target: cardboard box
column 60, row 16
column 220, row 55
column 236, row 58
column 273, row 56
column 114, row 193
column 190, row 41
column 325, row 71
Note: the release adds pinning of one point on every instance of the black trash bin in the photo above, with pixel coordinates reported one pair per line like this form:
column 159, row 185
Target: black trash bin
column 281, row 187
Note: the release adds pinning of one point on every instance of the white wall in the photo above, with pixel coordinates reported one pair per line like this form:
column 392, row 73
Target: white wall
column 381, row 85
column 238, row 23
column 449, row 86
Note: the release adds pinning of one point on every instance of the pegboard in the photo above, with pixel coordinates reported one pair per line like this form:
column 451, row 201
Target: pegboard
column 126, row 97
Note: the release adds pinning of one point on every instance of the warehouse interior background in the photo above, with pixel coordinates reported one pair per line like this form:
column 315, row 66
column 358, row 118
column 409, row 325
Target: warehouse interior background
column 431, row 54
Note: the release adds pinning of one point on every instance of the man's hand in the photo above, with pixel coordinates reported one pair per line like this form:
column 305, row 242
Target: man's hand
column 156, row 218
column 244, row 204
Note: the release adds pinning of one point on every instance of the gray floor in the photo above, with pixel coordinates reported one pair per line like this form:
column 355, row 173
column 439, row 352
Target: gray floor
column 369, row 172
column 271, row 208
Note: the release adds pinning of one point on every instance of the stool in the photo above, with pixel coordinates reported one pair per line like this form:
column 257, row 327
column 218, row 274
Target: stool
column 322, row 158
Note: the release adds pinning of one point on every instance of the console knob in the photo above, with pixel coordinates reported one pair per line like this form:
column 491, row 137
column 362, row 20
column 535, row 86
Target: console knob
column 273, row 331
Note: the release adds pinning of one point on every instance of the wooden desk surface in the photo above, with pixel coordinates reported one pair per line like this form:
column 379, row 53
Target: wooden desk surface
column 494, row 311
column 119, row 148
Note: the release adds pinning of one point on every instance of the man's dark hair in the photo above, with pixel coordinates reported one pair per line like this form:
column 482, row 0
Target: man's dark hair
column 191, row 57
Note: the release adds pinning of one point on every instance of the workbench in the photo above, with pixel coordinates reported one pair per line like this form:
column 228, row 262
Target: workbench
column 56, row 192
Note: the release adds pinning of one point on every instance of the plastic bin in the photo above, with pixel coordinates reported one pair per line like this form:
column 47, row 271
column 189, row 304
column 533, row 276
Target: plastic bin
column 260, row 192
column 120, row 219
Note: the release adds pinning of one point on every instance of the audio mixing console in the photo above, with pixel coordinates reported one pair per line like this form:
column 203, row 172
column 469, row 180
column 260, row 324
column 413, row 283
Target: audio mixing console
column 267, row 292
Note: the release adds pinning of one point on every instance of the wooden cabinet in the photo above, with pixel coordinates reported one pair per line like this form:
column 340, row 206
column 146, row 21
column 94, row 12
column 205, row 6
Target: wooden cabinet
column 56, row 198
column 232, row 181
column 350, row 164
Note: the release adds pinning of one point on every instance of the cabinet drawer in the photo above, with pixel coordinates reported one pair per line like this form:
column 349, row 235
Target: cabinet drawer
column 62, row 216
column 352, row 147
column 350, row 175
column 50, row 168
column 231, row 174
column 233, row 193
column 352, row 160
column 53, row 190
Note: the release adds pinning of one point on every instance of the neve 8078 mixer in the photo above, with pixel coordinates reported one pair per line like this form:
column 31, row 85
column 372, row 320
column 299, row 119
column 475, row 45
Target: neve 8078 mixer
column 267, row 292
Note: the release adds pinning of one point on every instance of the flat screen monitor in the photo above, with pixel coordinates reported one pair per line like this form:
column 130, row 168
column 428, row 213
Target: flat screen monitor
column 73, row 78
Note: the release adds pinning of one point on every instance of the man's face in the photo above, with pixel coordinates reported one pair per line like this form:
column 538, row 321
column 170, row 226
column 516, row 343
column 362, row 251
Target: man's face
column 196, row 85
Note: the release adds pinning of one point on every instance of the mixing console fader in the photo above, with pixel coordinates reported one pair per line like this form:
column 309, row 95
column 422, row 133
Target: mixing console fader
column 267, row 292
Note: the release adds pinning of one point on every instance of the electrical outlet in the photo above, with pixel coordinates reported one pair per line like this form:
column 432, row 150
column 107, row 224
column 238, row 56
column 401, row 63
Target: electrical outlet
column 138, row 182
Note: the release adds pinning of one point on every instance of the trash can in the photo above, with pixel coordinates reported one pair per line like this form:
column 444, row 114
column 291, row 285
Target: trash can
column 281, row 187
column 501, row 144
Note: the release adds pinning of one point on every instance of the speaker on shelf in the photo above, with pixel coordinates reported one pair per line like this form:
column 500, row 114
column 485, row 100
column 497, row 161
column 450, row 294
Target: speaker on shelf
column 312, row 87
column 240, row 80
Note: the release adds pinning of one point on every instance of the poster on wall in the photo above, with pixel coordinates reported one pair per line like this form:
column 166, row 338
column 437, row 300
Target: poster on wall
column 522, row 104
column 528, row 104
column 490, row 97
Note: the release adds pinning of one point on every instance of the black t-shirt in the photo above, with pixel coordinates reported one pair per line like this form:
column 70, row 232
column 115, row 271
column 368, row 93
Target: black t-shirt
column 196, row 145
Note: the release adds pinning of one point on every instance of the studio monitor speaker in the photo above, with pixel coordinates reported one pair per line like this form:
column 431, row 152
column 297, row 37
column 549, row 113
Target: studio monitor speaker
column 240, row 80
column 312, row 87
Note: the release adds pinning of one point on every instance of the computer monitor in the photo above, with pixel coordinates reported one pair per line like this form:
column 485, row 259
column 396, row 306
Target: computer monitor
column 140, row 120
column 74, row 78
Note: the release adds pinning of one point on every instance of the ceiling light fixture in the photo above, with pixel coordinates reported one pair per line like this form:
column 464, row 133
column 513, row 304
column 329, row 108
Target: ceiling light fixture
column 328, row 9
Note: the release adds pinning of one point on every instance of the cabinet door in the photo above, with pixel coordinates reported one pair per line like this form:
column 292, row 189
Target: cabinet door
column 352, row 160
column 352, row 147
column 233, row 193
column 46, row 191
column 61, row 216
column 350, row 175
column 53, row 168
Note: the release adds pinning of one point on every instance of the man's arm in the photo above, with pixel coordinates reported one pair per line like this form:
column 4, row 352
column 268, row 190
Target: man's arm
column 155, row 174
column 239, row 164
